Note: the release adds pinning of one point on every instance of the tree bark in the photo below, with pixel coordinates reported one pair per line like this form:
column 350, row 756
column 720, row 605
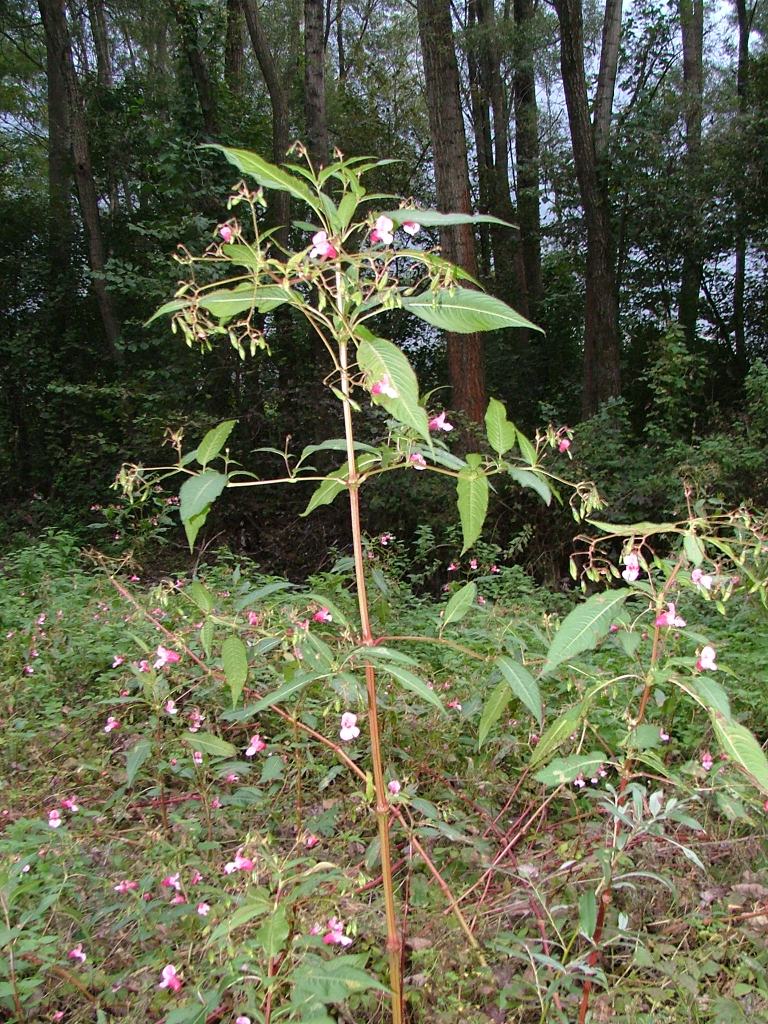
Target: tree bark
column 234, row 52
column 601, row 376
column 692, row 28
column 314, row 83
column 527, row 154
column 278, row 98
column 745, row 18
column 100, row 33
column 60, row 170
column 466, row 369
column 606, row 77
column 58, row 42
column 206, row 96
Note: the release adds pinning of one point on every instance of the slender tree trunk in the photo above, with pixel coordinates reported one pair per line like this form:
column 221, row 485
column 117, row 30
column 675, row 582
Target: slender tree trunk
column 606, row 77
column 234, row 49
column 466, row 368
column 314, row 83
column 60, row 171
column 278, row 98
column 340, row 49
column 100, row 33
column 745, row 18
column 692, row 27
column 58, row 43
column 527, row 153
column 601, row 377
column 198, row 67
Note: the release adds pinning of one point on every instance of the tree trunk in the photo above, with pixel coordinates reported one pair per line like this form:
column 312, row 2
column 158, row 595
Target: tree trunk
column 601, row 377
column 527, row 154
column 234, row 52
column 206, row 97
column 58, row 43
column 692, row 27
column 340, row 49
column 278, row 98
column 60, row 228
column 314, row 83
column 100, row 33
column 466, row 368
column 745, row 19
column 606, row 77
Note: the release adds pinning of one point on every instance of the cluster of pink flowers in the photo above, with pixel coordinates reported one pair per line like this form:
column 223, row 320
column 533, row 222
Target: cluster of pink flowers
column 196, row 719
column 69, row 803
column 384, row 228
column 385, row 539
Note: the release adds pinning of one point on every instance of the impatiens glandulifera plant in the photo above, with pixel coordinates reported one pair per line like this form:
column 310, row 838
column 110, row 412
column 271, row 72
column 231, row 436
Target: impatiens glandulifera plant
column 350, row 271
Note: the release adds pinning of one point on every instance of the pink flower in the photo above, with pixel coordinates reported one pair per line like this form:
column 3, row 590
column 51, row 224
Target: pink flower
column 393, row 786
column 322, row 249
column 701, row 579
column 670, row 617
column 663, row 735
column 316, row 929
column 311, row 840
column 134, row 579
column 77, row 953
column 178, row 899
column 254, row 619
column 125, row 886
column 418, row 461
column 170, row 707
column 385, row 538
column 171, row 980
column 197, row 757
column 439, row 422
column 410, row 227
column 564, row 444
column 225, row 232
column 172, row 882
column 69, row 803
column 195, row 878
column 240, row 863
column 203, row 909
column 143, row 665
column 256, row 745
column 335, row 935
column 455, row 704
column 28, row 670
column 166, row 657
column 242, row 1019
column 706, row 760
column 118, row 661
column 54, row 819
column 384, row 387
column 706, row 659
column 216, row 803
column 57, row 1016
column 579, row 782
column 322, row 615
column 382, row 231
column 349, row 729
column 473, row 563
column 232, row 777
column 495, row 569
column 196, row 719
column 632, row 570
column 453, row 567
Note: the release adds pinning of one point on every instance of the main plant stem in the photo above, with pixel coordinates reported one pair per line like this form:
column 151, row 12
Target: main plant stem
column 382, row 803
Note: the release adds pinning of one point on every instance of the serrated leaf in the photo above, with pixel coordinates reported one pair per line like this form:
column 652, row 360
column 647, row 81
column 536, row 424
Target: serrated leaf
column 523, row 685
column 563, row 770
column 557, row 733
column 527, row 450
column 135, row 758
column 693, row 547
column 199, row 596
column 267, row 174
column 331, row 981
column 742, row 748
column 327, row 490
column 194, row 525
column 196, row 497
column 378, row 357
column 459, row 604
column 643, row 529
column 436, row 219
column 208, row 743
column 273, row 932
column 206, row 636
column 534, row 482
column 282, row 693
column 213, row 442
column 464, row 311
column 707, row 692
column 493, row 710
column 174, row 306
column 384, row 654
column 583, row 627
column 500, row 432
column 415, row 685
column 234, row 657
column 224, row 303
column 472, row 501
column 256, row 906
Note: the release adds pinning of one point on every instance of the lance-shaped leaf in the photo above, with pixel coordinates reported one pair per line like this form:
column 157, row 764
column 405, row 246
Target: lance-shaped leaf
column 472, row 501
column 500, row 432
column 493, row 710
column 196, row 497
column 743, row 749
column 268, row 175
column 336, row 481
column 565, row 769
column 523, row 685
column 224, row 303
column 708, row 693
column 459, row 604
column 135, row 758
column 174, row 306
column 436, row 219
column 234, row 657
column 208, row 743
column 213, row 442
column 557, row 733
column 643, row 529
column 378, row 358
column 583, row 627
column 411, row 682
column 464, row 311
column 527, row 478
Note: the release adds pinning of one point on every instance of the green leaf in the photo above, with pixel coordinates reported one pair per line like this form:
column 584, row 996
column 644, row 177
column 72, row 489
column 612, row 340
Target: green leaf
column 587, row 913
column 557, row 733
column 273, row 932
column 228, row 302
column 282, row 693
column 527, row 450
column 563, row 770
column 464, row 311
column 707, row 692
column 234, row 658
column 196, row 496
column 377, row 357
column 169, row 307
column 500, row 432
column 459, row 604
column 643, row 529
column 411, row 682
column 694, row 548
column 243, row 256
column 533, row 481
column 385, row 654
column 583, row 627
column 331, row 981
column 742, row 748
column 208, row 743
column 256, row 906
column 199, row 596
column 472, row 501
column 213, row 442
column 436, row 219
column 329, row 489
column 206, row 636
column 268, row 174
column 135, row 758
column 523, row 685
column 493, row 710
